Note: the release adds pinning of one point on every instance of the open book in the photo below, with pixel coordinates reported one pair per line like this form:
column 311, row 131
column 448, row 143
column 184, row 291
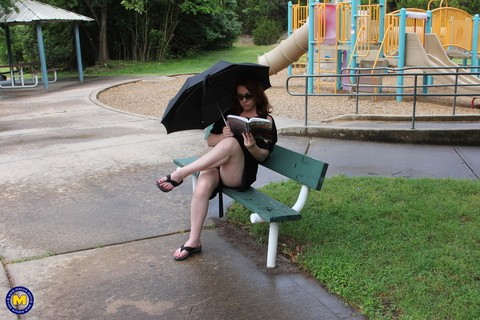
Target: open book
column 258, row 127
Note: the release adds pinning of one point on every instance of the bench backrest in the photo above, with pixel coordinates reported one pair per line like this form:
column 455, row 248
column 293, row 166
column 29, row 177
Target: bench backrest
column 301, row 168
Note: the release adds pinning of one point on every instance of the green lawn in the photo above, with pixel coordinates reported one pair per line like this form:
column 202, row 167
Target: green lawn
column 391, row 247
column 198, row 63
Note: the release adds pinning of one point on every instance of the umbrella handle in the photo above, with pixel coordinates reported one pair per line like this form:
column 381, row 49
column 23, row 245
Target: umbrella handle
column 224, row 120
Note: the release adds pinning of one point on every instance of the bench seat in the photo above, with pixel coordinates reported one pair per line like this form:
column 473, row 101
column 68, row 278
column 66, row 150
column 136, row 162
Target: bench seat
column 269, row 209
column 307, row 171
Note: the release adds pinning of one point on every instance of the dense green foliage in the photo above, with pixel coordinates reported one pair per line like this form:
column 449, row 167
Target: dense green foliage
column 141, row 30
column 145, row 30
column 266, row 32
column 157, row 30
column 395, row 248
column 6, row 5
column 471, row 7
column 204, row 31
column 252, row 12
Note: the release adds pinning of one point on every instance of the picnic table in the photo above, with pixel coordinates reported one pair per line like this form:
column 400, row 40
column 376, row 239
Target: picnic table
column 19, row 75
column 23, row 75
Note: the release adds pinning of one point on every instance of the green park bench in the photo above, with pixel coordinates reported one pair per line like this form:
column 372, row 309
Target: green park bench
column 307, row 171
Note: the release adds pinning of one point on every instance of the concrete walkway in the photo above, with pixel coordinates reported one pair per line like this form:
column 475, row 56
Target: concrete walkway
column 83, row 226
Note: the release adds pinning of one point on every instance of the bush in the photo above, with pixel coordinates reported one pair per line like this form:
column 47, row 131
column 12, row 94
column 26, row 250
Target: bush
column 204, row 32
column 266, row 32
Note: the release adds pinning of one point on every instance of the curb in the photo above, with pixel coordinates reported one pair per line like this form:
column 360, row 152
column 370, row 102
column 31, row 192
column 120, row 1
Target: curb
column 458, row 130
column 470, row 137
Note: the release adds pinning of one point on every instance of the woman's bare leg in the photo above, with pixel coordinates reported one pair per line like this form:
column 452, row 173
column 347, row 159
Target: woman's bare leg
column 224, row 162
column 206, row 183
column 226, row 154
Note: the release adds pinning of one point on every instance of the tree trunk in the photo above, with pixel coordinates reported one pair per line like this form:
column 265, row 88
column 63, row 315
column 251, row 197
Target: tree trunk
column 171, row 21
column 102, row 37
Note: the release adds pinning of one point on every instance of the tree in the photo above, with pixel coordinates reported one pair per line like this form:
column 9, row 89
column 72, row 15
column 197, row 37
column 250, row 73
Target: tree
column 99, row 11
column 152, row 26
column 95, row 34
column 206, row 27
column 168, row 27
column 254, row 11
column 6, row 5
column 144, row 30
column 472, row 7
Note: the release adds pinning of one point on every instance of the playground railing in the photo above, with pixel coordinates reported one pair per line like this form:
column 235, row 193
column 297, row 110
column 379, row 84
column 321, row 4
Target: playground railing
column 417, row 84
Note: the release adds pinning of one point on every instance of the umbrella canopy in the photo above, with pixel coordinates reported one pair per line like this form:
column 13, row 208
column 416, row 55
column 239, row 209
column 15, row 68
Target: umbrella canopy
column 204, row 97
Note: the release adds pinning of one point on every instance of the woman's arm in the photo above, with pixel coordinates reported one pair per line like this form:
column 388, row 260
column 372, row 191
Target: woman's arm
column 213, row 138
column 258, row 153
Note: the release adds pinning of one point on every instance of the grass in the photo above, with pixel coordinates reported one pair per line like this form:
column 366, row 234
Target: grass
column 393, row 248
column 198, row 63
column 46, row 254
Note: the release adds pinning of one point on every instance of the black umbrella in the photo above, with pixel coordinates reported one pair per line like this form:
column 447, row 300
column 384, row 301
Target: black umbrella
column 204, row 97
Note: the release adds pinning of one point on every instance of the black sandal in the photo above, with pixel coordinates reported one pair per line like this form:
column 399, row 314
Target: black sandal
column 189, row 250
column 169, row 180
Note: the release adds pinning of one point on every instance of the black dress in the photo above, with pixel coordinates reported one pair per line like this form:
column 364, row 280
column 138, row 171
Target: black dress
column 251, row 164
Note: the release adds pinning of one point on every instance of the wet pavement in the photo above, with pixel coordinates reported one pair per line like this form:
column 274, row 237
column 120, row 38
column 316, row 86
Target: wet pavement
column 84, row 228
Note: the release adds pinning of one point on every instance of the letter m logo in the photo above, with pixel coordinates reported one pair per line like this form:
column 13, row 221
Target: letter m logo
column 19, row 299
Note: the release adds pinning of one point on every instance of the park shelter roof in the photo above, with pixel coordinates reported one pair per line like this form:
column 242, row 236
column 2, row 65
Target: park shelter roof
column 34, row 12
column 30, row 11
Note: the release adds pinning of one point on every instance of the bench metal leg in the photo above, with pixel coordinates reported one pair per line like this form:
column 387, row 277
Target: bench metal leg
column 272, row 239
column 302, row 198
column 194, row 182
column 255, row 218
column 272, row 244
column 220, row 204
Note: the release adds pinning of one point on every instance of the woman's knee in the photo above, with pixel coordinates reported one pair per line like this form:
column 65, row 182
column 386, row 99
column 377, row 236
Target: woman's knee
column 230, row 145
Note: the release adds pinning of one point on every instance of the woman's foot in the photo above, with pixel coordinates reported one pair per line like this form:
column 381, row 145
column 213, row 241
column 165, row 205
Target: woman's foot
column 185, row 252
column 167, row 184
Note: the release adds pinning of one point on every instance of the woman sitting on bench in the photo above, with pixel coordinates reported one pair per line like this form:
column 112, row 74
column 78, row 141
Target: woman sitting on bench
column 232, row 162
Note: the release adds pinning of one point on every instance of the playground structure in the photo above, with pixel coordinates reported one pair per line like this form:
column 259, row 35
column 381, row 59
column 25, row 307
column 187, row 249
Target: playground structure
column 348, row 35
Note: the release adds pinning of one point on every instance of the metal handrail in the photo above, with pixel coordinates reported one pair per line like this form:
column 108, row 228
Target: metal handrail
column 353, row 79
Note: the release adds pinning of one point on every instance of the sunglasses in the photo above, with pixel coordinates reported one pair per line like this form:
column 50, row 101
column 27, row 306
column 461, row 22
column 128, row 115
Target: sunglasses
column 246, row 96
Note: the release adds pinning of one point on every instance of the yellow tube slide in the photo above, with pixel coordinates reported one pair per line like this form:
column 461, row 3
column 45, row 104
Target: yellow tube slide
column 287, row 52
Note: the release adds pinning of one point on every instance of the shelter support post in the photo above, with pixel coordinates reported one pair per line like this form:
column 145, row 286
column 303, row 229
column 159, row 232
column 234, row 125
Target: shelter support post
column 9, row 45
column 41, row 52
column 79, row 53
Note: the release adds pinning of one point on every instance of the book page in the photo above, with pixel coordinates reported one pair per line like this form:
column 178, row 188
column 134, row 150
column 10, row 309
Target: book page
column 237, row 124
column 259, row 127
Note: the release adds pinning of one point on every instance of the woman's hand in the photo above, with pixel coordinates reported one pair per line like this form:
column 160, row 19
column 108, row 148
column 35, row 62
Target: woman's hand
column 227, row 132
column 213, row 138
column 248, row 140
column 252, row 147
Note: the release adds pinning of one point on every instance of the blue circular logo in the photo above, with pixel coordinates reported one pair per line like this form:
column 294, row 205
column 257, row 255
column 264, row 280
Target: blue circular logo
column 19, row 300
